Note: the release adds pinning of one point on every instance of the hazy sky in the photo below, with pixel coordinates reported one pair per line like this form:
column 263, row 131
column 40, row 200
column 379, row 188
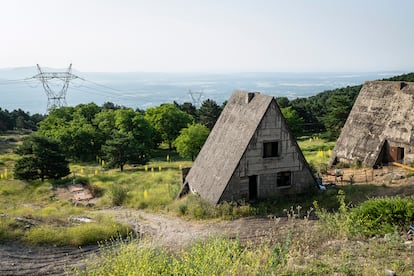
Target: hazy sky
column 209, row 35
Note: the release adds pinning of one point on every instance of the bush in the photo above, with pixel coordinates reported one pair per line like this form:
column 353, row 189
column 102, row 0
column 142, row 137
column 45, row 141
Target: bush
column 383, row 215
column 118, row 194
column 182, row 209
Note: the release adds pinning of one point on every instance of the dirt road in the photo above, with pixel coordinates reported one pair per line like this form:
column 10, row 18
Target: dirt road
column 165, row 230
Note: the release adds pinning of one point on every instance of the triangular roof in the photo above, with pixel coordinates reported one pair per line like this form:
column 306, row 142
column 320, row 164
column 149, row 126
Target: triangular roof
column 383, row 111
column 226, row 144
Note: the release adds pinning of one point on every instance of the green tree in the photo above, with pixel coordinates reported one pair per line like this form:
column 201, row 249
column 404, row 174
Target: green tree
column 168, row 120
column 6, row 120
column 42, row 158
column 74, row 129
column 120, row 149
column 191, row 140
column 188, row 108
column 282, row 102
column 128, row 137
column 339, row 107
column 294, row 121
column 208, row 113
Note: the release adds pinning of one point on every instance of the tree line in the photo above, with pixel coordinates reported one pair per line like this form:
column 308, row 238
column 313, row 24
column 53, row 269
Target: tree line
column 19, row 120
column 115, row 134
column 327, row 111
column 121, row 135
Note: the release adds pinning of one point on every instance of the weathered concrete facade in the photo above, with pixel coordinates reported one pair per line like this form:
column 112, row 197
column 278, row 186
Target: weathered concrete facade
column 249, row 154
column 380, row 127
column 289, row 161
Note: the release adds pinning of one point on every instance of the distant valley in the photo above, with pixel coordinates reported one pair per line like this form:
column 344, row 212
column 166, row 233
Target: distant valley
column 142, row 90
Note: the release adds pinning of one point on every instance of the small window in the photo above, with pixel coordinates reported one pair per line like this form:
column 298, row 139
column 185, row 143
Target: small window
column 270, row 149
column 283, row 179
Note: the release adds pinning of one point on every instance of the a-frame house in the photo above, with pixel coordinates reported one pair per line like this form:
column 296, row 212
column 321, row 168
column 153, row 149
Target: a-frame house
column 380, row 126
column 250, row 154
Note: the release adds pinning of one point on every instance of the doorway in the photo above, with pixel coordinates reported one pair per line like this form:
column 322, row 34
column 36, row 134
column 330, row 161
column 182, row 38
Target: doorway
column 253, row 187
column 396, row 154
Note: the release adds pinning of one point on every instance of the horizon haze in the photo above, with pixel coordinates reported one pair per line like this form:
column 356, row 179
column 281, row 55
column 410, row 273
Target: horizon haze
column 209, row 36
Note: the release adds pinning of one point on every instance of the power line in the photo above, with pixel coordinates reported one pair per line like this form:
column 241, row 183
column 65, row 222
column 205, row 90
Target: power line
column 55, row 98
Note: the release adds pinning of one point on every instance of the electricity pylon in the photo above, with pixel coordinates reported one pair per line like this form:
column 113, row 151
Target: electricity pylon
column 55, row 99
column 196, row 97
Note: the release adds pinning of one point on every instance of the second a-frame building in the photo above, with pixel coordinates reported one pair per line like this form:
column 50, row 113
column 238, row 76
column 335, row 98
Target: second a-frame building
column 250, row 154
column 380, row 127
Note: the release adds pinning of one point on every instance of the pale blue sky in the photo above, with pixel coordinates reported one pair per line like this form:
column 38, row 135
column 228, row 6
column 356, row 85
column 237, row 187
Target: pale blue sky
column 209, row 35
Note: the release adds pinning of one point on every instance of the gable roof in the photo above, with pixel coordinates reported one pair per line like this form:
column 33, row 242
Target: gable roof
column 226, row 144
column 382, row 111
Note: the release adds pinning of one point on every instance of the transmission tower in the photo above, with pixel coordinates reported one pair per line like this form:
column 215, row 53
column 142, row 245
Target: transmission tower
column 196, row 97
column 55, row 98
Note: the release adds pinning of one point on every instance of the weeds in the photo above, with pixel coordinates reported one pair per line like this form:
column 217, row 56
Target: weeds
column 215, row 256
column 118, row 194
column 88, row 233
column 195, row 207
column 335, row 224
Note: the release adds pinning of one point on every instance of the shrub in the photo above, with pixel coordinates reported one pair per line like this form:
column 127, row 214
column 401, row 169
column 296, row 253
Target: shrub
column 118, row 194
column 383, row 215
column 182, row 209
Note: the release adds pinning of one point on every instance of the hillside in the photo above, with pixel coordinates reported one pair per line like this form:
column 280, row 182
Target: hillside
column 327, row 111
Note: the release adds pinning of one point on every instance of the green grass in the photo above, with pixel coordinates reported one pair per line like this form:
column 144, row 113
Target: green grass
column 216, row 256
column 35, row 204
column 194, row 207
column 317, row 152
column 300, row 248
column 102, row 229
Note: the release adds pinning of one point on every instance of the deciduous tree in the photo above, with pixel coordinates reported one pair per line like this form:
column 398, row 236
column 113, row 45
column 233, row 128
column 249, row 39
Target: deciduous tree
column 191, row 140
column 42, row 158
column 168, row 120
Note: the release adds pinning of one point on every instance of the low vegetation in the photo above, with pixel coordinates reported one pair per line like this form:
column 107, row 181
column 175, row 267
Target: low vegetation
column 31, row 212
column 331, row 245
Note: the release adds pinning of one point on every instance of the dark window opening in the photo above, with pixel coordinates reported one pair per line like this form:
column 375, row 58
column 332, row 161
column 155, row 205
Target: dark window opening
column 270, row 149
column 283, row 179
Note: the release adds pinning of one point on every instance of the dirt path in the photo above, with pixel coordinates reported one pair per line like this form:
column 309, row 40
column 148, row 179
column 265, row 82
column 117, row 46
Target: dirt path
column 165, row 230
column 174, row 232
column 18, row 259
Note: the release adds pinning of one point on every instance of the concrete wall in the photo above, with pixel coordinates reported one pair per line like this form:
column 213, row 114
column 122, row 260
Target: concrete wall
column 381, row 113
column 271, row 128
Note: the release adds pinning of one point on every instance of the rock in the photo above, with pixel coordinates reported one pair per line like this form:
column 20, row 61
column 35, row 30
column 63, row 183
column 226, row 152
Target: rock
column 84, row 219
column 389, row 272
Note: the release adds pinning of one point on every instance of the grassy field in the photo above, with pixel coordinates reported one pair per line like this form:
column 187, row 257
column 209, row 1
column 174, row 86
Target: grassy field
column 340, row 242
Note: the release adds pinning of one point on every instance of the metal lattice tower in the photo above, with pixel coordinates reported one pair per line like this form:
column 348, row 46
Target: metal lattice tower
column 55, row 99
column 196, row 97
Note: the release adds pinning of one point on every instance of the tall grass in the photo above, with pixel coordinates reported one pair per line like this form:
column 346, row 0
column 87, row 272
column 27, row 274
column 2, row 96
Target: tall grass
column 195, row 207
column 30, row 212
column 103, row 229
column 298, row 248
column 215, row 256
